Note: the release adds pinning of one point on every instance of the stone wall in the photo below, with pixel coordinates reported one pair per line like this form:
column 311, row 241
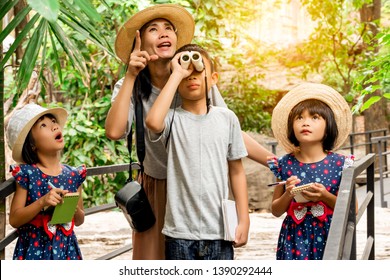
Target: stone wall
column 258, row 176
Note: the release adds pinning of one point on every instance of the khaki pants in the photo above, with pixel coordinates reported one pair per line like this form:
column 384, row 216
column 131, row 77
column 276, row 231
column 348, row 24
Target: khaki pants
column 150, row 244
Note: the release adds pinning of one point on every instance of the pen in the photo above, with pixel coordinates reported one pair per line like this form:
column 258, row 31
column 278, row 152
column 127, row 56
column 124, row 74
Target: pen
column 276, row 183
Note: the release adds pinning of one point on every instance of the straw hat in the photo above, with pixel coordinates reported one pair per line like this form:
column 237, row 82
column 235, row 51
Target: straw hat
column 303, row 92
column 181, row 19
column 21, row 122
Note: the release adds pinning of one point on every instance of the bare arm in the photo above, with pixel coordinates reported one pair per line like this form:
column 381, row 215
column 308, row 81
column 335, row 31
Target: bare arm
column 156, row 115
column 240, row 193
column 256, row 151
column 116, row 121
column 79, row 214
column 282, row 198
column 21, row 214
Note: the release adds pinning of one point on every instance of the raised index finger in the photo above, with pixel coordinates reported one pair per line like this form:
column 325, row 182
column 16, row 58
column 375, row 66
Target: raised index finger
column 137, row 46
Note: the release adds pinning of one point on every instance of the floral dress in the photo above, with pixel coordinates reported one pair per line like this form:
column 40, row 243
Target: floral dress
column 39, row 240
column 305, row 229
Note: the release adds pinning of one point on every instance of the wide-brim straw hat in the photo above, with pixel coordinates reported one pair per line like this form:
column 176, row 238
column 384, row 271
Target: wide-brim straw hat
column 181, row 19
column 21, row 122
column 305, row 91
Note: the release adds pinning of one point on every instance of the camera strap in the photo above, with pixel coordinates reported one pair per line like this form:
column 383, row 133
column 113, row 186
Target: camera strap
column 139, row 132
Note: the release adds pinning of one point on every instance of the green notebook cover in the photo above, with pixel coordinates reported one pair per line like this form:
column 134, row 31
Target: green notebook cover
column 64, row 212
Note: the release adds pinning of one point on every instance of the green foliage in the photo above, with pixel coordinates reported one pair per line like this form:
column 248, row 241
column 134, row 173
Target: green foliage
column 87, row 144
column 53, row 19
column 374, row 75
column 71, row 41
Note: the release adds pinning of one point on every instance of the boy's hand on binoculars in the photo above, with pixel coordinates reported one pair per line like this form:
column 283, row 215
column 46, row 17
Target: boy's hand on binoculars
column 139, row 59
column 176, row 67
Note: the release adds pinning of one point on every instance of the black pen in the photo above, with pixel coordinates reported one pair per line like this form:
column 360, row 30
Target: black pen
column 276, row 183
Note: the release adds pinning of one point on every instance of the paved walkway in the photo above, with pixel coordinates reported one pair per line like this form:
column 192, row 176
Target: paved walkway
column 104, row 232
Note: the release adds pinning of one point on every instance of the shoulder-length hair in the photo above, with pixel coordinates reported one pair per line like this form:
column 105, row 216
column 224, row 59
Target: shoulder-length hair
column 29, row 153
column 314, row 106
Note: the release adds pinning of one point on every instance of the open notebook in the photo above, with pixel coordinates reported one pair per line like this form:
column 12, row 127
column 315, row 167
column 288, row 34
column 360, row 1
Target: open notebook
column 230, row 219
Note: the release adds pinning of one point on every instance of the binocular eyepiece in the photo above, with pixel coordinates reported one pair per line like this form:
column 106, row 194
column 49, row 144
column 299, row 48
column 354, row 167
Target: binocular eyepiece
column 195, row 57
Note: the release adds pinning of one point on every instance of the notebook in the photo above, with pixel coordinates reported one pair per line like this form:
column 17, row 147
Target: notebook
column 63, row 213
column 298, row 195
column 230, row 219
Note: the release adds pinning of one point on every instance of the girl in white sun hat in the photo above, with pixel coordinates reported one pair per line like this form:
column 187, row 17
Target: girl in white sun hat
column 310, row 121
column 35, row 137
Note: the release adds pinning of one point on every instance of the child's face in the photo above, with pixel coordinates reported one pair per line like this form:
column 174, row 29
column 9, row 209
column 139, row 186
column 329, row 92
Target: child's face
column 47, row 135
column 309, row 128
column 194, row 87
column 159, row 37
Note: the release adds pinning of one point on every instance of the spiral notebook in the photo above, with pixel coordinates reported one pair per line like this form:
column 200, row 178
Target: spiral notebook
column 298, row 195
column 230, row 219
column 63, row 213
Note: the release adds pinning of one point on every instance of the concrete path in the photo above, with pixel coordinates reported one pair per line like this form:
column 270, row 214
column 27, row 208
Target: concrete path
column 104, row 232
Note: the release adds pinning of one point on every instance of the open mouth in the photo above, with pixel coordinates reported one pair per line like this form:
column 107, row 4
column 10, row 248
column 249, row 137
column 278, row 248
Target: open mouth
column 58, row 136
column 165, row 45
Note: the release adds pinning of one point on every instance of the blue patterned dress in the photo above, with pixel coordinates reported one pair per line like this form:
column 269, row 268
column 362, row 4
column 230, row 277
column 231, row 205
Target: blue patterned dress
column 305, row 229
column 38, row 240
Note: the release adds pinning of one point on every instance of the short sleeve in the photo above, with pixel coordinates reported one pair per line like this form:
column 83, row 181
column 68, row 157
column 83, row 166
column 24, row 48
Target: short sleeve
column 273, row 164
column 82, row 171
column 130, row 116
column 21, row 175
column 349, row 160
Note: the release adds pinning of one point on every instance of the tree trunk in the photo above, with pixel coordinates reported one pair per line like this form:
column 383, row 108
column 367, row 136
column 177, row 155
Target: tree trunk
column 2, row 151
column 19, row 50
column 375, row 116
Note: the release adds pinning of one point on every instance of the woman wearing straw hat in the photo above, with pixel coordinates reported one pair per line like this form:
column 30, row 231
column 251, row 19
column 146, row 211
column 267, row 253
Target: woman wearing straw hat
column 310, row 121
column 146, row 43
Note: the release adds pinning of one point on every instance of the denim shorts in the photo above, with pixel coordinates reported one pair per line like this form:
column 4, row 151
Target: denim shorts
column 182, row 249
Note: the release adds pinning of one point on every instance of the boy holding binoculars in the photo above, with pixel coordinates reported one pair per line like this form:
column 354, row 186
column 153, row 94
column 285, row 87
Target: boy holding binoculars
column 205, row 147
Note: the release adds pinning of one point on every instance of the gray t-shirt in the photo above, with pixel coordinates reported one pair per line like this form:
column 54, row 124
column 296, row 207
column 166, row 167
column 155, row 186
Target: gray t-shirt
column 199, row 149
column 155, row 162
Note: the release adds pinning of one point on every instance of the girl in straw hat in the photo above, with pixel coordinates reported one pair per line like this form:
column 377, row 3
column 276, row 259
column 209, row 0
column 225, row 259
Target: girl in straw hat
column 146, row 43
column 310, row 121
column 35, row 137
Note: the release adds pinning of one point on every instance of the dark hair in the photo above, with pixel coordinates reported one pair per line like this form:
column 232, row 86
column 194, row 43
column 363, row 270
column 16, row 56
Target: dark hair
column 314, row 106
column 143, row 85
column 29, row 153
column 197, row 48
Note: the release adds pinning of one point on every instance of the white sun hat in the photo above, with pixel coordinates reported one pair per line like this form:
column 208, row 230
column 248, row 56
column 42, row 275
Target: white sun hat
column 21, row 122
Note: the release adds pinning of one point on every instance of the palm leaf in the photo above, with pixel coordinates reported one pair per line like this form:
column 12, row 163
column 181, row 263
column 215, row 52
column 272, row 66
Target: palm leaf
column 30, row 56
column 19, row 39
column 57, row 64
column 46, row 8
column 78, row 18
column 6, row 6
column 71, row 50
column 88, row 34
column 88, row 9
column 14, row 23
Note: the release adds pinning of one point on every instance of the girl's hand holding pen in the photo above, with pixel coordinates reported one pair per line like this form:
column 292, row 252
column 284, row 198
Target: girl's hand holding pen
column 53, row 197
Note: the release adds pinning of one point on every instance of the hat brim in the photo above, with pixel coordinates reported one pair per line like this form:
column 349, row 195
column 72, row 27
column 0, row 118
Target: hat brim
column 177, row 15
column 59, row 113
column 303, row 92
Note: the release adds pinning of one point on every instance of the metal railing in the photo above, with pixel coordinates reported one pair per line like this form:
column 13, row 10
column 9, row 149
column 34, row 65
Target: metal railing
column 341, row 243
column 383, row 163
column 8, row 187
